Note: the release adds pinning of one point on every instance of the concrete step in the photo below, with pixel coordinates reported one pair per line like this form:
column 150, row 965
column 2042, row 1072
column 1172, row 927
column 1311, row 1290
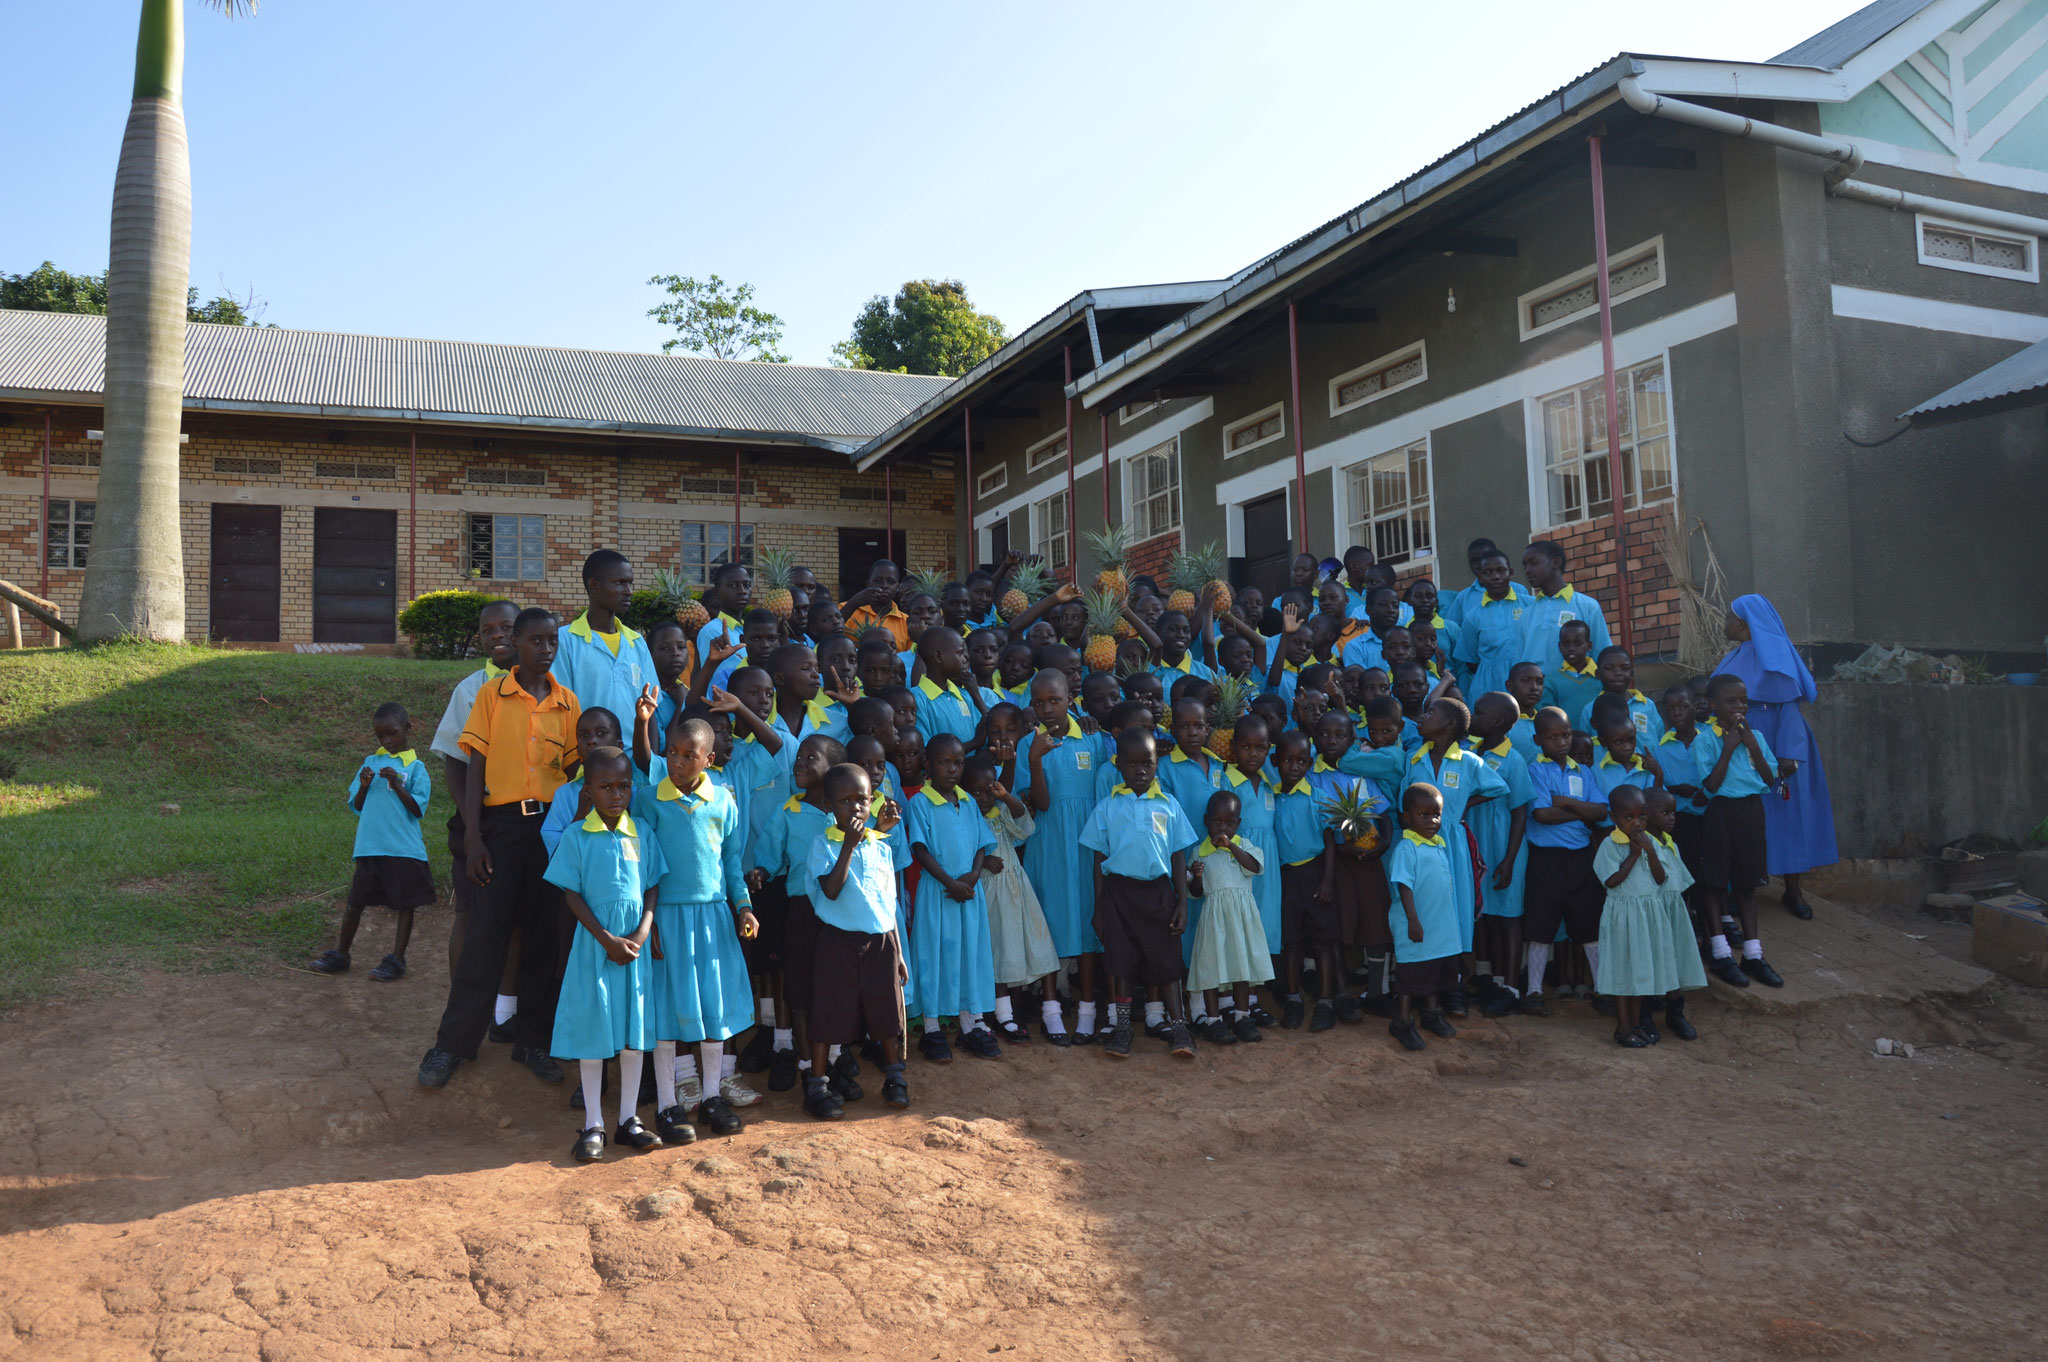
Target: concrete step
column 1843, row 953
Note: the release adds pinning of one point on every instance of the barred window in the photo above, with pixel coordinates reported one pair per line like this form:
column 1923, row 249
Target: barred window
column 251, row 468
column 508, row 548
column 708, row 546
column 1575, row 445
column 349, row 470
column 1049, row 538
column 494, row 475
column 1155, row 491
column 70, row 532
column 1390, row 505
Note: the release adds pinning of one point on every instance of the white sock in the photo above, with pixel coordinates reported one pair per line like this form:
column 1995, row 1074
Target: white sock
column 1593, row 958
column 1055, row 1024
column 1251, row 1002
column 711, row 1063
column 803, row 1066
column 593, row 1095
column 931, row 1025
column 785, row 1039
column 1084, row 1018
column 664, row 1075
column 1005, row 1012
column 1294, row 997
column 1538, row 955
column 629, row 1083
column 506, row 1010
column 764, row 1012
column 1719, row 945
column 1155, row 1013
column 686, row 1068
column 970, row 1021
column 728, row 1066
column 832, row 1053
column 1752, row 949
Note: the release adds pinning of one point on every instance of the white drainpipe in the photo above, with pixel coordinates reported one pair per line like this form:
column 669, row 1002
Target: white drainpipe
column 1848, row 158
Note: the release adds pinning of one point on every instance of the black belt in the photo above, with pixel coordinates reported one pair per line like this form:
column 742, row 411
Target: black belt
column 523, row 808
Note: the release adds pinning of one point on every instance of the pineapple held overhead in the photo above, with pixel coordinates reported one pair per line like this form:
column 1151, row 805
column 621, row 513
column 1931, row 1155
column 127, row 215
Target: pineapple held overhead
column 1112, row 549
column 1027, row 584
column 777, row 567
column 1105, row 614
column 1233, row 700
column 1352, row 814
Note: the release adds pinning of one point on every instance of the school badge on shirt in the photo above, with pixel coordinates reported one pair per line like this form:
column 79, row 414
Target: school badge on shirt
column 1084, row 761
column 1566, row 616
column 1159, row 823
column 1572, row 783
column 629, row 847
column 1450, row 780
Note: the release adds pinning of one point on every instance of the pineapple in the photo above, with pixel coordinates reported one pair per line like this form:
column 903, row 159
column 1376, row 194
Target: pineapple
column 1184, row 574
column 1351, row 814
column 930, row 582
column 675, row 596
column 1103, row 618
column 1112, row 548
column 692, row 615
column 1213, row 569
column 776, row 567
column 1027, row 585
column 1233, row 698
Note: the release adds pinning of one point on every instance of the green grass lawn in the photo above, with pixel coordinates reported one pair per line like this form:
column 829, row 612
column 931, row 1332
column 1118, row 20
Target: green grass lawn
column 253, row 748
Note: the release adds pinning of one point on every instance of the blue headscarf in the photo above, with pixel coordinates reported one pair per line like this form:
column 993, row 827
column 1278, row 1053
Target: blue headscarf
column 1768, row 664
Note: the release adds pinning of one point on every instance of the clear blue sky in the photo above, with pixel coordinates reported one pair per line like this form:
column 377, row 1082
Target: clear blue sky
column 510, row 171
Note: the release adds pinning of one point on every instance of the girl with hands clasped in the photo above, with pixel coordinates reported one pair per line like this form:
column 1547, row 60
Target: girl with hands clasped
column 954, row 961
column 1646, row 944
column 1021, row 942
column 1230, row 941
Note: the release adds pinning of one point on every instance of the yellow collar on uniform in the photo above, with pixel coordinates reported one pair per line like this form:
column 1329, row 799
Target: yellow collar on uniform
column 1509, row 599
column 1563, row 593
column 1635, row 763
column 1286, row 666
column 580, row 627
column 1638, row 696
column 1567, row 763
column 1618, row 837
column 796, row 801
column 932, row 690
column 1409, row 834
column 1664, row 840
column 1587, row 670
column 1209, row 847
column 492, row 671
column 1237, row 777
column 930, row 792
column 1299, row 787
column 1185, row 666
column 1671, row 735
column 595, row 823
column 1074, row 729
column 668, row 789
column 1714, row 723
column 1503, row 749
column 1320, row 766
column 405, row 758
column 727, row 620
column 1181, row 756
column 833, row 834
column 1152, row 791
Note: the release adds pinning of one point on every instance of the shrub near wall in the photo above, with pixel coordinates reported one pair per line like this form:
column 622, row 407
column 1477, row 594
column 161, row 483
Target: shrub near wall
column 443, row 624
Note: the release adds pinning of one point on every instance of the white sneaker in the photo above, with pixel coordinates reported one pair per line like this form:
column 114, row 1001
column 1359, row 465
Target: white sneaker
column 736, row 1093
column 689, row 1092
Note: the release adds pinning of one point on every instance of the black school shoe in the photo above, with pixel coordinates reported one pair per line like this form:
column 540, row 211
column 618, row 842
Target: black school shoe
column 1248, row 1031
column 1631, row 1041
column 845, row 1088
column 1217, row 1031
column 932, row 1045
column 589, row 1146
column 389, row 968
column 1728, row 971
column 1157, row 1030
column 503, row 1032
column 1457, row 1003
column 1405, row 1032
column 1180, row 1042
column 820, row 1102
column 1648, row 1028
column 981, row 1043
column 1761, row 971
column 539, row 1063
column 1348, row 1009
column 848, row 1063
column 673, row 1125
column 1291, row 1014
column 635, row 1136
column 1325, row 1016
column 1680, row 1024
column 1117, row 1044
column 754, row 1057
column 896, row 1092
column 1433, row 1021
column 718, row 1118
column 1261, row 1017
column 330, row 962
column 781, row 1070
column 437, row 1068
column 1532, row 1005
column 1497, row 999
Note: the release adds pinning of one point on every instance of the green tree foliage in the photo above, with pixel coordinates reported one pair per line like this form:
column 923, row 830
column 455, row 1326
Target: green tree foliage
column 715, row 319
column 930, row 328
column 49, row 289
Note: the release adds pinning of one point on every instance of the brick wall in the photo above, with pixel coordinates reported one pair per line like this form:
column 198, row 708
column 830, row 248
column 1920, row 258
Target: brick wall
column 1653, row 599
column 1149, row 558
column 633, row 500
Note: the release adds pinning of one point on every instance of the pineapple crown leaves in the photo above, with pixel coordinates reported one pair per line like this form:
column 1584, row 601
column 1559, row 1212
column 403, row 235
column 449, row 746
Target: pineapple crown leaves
column 1186, row 572
column 1104, row 610
column 777, row 566
column 1211, row 564
column 930, row 581
column 673, row 591
column 1031, row 579
column 1350, row 807
column 1111, row 546
column 1233, row 701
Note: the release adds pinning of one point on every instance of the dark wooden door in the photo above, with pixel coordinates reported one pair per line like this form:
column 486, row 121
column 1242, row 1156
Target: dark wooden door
column 860, row 550
column 998, row 544
column 355, row 572
column 243, row 579
column 1268, row 547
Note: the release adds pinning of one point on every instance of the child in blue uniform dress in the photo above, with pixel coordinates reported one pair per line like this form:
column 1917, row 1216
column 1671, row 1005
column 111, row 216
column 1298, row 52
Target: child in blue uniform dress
column 388, row 797
column 607, row 869
column 1646, row 937
column 1500, row 826
column 1424, row 918
column 1488, row 638
column 1740, row 767
column 948, row 700
column 595, row 728
column 1230, row 946
column 605, row 663
column 1461, row 779
column 1191, row 774
column 1056, row 777
column 1258, row 811
column 954, row 847
column 701, row 912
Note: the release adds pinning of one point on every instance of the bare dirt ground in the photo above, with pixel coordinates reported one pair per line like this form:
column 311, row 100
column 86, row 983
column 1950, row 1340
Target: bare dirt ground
column 232, row 1167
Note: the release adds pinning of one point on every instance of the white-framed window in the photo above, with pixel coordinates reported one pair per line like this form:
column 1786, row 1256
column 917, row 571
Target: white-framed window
column 1371, row 381
column 1974, row 250
column 69, row 532
column 1051, row 450
column 993, row 481
column 1260, row 428
column 1131, row 411
column 1153, row 491
column 1049, row 537
column 1391, row 505
column 1630, row 273
column 1574, row 446
column 508, row 548
column 708, row 546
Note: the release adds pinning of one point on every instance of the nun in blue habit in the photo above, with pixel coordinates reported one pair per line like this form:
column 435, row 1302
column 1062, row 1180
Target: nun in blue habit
column 1800, row 828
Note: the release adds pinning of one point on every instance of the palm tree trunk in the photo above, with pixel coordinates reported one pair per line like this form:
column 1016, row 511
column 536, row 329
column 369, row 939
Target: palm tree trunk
column 135, row 570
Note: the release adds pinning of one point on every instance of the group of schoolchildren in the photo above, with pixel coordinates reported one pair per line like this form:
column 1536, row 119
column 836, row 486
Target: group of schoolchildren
column 840, row 825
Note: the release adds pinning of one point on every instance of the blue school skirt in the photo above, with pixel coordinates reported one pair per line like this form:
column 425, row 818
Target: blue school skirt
column 605, row 1008
column 700, row 983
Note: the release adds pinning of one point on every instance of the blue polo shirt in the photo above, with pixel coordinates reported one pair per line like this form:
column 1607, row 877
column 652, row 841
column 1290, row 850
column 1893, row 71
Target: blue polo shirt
column 1424, row 865
column 1648, row 719
column 1681, row 767
column 945, row 709
column 1190, row 665
column 721, row 628
column 1298, row 823
column 867, row 901
column 801, row 824
column 1364, row 651
column 1547, row 614
column 1741, row 779
column 1189, row 785
column 602, row 679
column 383, row 827
column 1548, row 779
column 699, row 834
column 1609, row 774
column 954, row 830
column 1571, row 691
column 1138, row 833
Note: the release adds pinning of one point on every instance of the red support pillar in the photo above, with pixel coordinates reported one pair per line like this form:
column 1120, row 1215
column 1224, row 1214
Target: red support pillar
column 734, row 555
column 967, row 441
column 44, row 537
column 412, row 524
column 1300, row 459
column 889, row 515
column 1104, row 413
column 1073, row 537
column 1626, row 633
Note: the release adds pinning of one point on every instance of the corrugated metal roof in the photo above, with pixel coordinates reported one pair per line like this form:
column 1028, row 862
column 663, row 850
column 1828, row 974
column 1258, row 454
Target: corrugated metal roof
column 246, row 368
column 2019, row 380
column 1832, row 47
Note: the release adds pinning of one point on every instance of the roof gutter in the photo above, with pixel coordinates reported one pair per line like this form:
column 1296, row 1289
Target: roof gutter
column 1845, row 153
